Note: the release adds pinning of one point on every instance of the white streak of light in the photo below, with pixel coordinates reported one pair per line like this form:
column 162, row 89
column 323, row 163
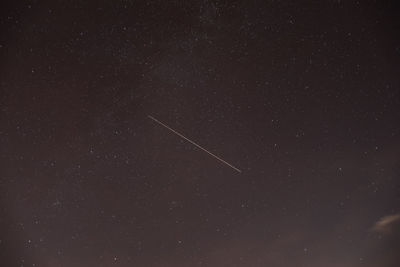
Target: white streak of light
column 187, row 139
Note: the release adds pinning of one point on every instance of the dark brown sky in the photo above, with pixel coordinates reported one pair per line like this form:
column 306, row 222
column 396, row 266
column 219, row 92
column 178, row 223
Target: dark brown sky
column 302, row 96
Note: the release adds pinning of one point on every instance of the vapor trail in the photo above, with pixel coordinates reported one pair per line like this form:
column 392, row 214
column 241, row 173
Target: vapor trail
column 190, row 141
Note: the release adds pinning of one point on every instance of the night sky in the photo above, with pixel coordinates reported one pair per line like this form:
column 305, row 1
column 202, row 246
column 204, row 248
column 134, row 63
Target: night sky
column 302, row 96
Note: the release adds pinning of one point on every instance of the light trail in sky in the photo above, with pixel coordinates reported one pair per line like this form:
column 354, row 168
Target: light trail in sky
column 192, row 142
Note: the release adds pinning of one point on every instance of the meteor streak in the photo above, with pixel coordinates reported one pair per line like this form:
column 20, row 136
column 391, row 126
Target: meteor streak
column 190, row 141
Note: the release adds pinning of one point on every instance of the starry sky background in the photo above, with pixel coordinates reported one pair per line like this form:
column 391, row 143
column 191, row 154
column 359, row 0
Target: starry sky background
column 302, row 96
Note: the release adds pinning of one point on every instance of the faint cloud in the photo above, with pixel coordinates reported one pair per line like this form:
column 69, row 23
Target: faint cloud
column 386, row 224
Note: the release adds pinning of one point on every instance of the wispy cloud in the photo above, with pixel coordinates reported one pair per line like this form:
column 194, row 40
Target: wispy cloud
column 386, row 224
